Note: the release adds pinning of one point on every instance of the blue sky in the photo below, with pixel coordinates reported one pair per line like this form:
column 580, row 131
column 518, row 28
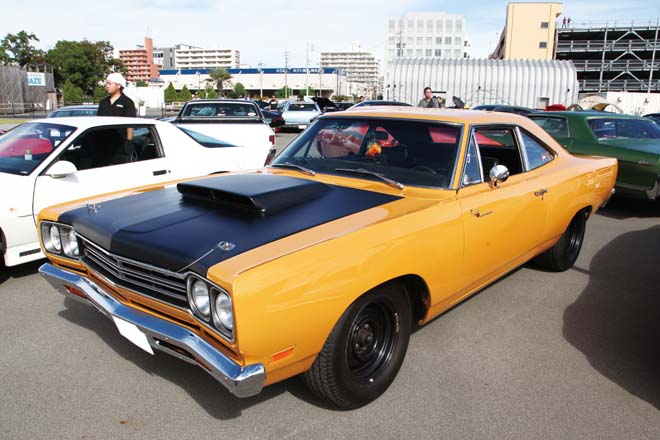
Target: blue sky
column 263, row 30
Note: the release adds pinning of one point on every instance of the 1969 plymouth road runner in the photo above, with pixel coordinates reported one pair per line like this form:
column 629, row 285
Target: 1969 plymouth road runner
column 369, row 223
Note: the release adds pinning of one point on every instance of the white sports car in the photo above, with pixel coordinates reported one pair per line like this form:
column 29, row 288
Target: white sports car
column 49, row 161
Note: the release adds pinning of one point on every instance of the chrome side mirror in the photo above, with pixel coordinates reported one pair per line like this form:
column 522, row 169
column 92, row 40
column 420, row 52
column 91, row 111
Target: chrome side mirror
column 498, row 174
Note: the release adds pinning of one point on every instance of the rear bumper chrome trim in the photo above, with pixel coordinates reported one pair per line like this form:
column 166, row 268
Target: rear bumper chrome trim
column 170, row 338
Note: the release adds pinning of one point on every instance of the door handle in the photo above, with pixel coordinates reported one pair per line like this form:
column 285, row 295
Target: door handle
column 477, row 214
column 160, row 172
column 541, row 192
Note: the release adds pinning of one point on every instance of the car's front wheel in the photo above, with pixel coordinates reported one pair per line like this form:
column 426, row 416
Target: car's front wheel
column 365, row 349
column 564, row 253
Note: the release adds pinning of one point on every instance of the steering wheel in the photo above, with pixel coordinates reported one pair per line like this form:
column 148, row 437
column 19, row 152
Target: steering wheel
column 425, row 169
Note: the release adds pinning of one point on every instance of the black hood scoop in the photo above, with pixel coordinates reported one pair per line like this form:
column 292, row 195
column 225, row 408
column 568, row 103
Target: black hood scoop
column 255, row 193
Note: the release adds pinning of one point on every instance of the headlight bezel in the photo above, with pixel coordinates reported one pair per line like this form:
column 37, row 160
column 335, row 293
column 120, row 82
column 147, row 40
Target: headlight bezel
column 210, row 321
column 68, row 240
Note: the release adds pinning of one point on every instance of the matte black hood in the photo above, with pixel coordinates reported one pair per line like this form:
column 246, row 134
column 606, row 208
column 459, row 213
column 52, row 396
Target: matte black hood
column 172, row 229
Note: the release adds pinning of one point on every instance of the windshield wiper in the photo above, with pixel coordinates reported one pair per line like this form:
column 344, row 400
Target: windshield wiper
column 362, row 171
column 293, row 165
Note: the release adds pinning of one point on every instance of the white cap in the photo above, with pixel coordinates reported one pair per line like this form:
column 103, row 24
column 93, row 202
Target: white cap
column 117, row 78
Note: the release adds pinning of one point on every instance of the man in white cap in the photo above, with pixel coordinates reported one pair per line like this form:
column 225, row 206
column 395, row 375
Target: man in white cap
column 117, row 104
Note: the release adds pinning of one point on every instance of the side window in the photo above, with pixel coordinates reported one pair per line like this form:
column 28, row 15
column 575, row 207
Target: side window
column 536, row 153
column 498, row 146
column 556, row 127
column 106, row 146
column 472, row 172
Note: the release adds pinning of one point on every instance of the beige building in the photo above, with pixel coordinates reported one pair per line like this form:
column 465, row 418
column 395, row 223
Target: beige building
column 529, row 33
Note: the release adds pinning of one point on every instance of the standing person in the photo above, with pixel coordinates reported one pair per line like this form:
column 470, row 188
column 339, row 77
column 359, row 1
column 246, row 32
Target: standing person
column 428, row 101
column 117, row 104
column 273, row 103
column 569, row 21
column 360, row 99
column 563, row 23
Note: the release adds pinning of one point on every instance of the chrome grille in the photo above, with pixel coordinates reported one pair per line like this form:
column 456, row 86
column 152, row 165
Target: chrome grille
column 160, row 284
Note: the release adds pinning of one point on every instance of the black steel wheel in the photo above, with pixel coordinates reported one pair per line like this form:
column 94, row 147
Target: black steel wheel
column 365, row 349
column 565, row 252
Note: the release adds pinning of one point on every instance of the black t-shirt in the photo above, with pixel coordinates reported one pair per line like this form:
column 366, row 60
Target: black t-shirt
column 123, row 106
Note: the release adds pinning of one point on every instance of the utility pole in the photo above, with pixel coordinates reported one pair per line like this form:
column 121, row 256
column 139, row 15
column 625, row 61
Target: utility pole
column 307, row 66
column 286, row 70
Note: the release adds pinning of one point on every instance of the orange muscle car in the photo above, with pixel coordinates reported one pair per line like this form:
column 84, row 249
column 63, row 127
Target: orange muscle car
column 323, row 262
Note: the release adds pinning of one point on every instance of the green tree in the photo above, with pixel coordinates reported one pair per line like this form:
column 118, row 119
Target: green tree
column 71, row 94
column 99, row 93
column 84, row 63
column 184, row 94
column 17, row 49
column 140, row 83
column 170, row 93
column 220, row 75
column 238, row 91
column 284, row 92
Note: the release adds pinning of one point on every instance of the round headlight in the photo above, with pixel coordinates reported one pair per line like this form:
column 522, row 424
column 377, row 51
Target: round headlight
column 222, row 313
column 70, row 243
column 200, row 298
column 55, row 242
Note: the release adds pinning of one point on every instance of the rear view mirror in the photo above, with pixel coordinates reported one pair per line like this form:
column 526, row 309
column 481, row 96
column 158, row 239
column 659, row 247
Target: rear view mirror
column 61, row 168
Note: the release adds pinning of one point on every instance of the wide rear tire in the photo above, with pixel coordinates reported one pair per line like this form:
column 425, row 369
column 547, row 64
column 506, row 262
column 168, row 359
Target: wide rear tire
column 365, row 349
column 565, row 252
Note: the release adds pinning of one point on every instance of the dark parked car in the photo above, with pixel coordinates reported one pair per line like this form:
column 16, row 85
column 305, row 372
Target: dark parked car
column 380, row 102
column 506, row 109
column 654, row 116
column 74, row 110
column 273, row 118
column 325, row 104
column 344, row 105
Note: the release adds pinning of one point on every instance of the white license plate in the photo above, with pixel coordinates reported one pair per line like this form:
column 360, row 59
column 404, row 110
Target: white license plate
column 302, row 127
column 133, row 334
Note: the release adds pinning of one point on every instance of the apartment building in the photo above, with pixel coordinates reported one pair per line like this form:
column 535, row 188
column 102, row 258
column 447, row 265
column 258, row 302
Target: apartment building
column 361, row 67
column 529, row 32
column 191, row 57
column 139, row 62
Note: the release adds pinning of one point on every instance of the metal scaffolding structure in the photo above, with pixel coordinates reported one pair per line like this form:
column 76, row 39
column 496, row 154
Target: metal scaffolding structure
column 616, row 57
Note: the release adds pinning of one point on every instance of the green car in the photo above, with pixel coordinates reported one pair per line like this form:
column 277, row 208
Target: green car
column 633, row 140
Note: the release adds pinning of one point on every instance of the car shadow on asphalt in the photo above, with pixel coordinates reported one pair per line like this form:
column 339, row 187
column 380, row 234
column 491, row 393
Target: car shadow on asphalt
column 20, row 271
column 615, row 321
column 205, row 390
column 625, row 207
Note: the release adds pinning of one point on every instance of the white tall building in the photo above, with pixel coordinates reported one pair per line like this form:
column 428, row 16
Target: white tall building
column 424, row 35
column 191, row 57
column 362, row 68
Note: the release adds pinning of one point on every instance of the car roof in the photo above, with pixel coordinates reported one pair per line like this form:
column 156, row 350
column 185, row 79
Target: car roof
column 418, row 113
column 587, row 114
column 78, row 107
column 84, row 122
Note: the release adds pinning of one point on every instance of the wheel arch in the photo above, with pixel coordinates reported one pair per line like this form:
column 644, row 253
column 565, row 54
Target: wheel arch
column 417, row 291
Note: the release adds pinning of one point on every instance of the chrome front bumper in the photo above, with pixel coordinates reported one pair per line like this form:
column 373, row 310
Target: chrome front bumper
column 162, row 335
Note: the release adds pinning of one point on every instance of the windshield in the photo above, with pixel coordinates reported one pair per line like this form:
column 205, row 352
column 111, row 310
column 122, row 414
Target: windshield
column 408, row 152
column 204, row 140
column 302, row 107
column 26, row 146
column 623, row 128
column 220, row 109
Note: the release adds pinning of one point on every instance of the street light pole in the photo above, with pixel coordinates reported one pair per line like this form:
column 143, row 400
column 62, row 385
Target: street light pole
column 261, row 81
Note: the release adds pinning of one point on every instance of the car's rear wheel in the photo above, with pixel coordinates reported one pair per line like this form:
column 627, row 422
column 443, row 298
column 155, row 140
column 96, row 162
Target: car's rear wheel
column 365, row 349
column 565, row 252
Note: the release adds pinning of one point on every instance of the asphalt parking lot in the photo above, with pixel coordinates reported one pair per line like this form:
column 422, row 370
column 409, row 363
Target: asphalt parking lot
column 536, row 355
